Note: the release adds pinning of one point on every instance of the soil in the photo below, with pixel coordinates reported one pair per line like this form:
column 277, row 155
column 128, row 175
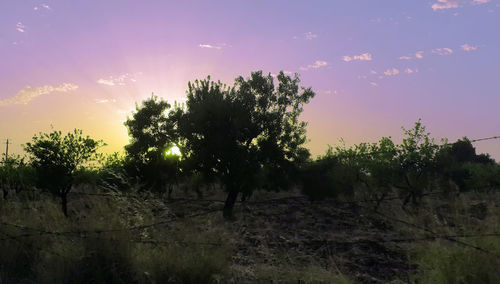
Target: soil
column 296, row 232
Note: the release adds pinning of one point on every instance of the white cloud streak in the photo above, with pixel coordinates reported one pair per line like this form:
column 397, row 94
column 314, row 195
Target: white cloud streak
column 410, row 71
column 29, row 93
column 361, row 57
column 211, row 46
column 453, row 4
column 391, row 72
column 419, row 54
column 479, row 2
column 20, row 27
column 445, row 4
column 443, row 51
column 103, row 101
column 310, row 36
column 121, row 80
column 467, row 47
column 317, row 64
column 43, row 6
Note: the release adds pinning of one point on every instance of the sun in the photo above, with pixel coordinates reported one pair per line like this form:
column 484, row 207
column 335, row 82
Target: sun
column 173, row 151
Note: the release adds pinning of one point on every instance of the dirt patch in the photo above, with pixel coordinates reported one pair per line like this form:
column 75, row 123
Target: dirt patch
column 296, row 232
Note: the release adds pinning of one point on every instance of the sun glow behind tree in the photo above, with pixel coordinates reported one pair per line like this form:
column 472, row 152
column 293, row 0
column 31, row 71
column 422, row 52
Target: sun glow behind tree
column 173, row 151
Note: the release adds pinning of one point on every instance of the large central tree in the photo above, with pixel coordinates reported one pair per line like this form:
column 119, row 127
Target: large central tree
column 247, row 133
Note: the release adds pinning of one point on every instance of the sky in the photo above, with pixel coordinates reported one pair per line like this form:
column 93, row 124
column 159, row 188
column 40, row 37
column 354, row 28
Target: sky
column 376, row 66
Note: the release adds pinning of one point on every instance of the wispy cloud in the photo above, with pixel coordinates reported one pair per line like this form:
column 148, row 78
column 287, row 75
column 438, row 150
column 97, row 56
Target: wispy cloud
column 391, row 72
column 362, row 57
column 212, row 46
column 103, row 101
column 373, row 84
column 443, row 51
column 445, row 4
column 467, row 47
column 121, row 80
column 410, row 71
column 43, row 6
column 317, row 64
column 310, row 35
column 329, row 92
column 479, row 2
column 28, row 93
column 453, row 4
column 419, row 54
column 405, row 58
column 20, row 27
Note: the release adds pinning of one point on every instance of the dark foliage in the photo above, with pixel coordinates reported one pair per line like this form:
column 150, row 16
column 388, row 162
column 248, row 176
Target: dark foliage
column 247, row 133
column 56, row 158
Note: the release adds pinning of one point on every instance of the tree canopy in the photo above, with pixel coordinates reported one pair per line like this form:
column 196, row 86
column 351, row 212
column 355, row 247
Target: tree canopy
column 56, row 158
column 150, row 130
column 238, row 134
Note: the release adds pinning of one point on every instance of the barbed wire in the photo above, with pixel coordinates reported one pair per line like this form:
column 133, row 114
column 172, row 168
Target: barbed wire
column 451, row 238
column 41, row 232
column 482, row 139
column 433, row 236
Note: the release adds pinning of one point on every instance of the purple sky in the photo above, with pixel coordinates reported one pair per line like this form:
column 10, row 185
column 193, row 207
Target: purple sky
column 375, row 65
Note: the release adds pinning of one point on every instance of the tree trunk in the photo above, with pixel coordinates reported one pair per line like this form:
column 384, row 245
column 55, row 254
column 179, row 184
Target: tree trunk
column 227, row 212
column 169, row 191
column 64, row 203
column 5, row 193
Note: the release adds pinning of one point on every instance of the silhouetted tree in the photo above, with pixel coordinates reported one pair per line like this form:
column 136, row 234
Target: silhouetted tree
column 149, row 130
column 240, row 133
column 463, row 151
column 56, row 158
column 457, row 163
column 152, row 132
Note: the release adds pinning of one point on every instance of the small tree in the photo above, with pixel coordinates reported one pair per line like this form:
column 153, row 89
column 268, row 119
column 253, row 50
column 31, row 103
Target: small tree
column 56, row 158
column 417, row 160
column 244, row 132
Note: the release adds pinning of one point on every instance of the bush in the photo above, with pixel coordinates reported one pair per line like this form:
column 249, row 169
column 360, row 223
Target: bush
column 327, row 178
column 16, row 175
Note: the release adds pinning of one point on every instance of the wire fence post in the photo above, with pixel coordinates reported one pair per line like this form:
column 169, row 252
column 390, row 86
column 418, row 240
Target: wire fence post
column 7, row 150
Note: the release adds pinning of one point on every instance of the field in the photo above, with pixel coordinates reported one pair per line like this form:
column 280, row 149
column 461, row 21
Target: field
column 112, row 237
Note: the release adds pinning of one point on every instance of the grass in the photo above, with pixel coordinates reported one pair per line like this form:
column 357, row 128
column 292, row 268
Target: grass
column 266, row 244
column 444, row 261
column 163, row 254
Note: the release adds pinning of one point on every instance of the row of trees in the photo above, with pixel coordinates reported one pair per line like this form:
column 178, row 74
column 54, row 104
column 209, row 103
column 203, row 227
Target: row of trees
column 413, row 168
column 243, row 137
column 248, row 137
